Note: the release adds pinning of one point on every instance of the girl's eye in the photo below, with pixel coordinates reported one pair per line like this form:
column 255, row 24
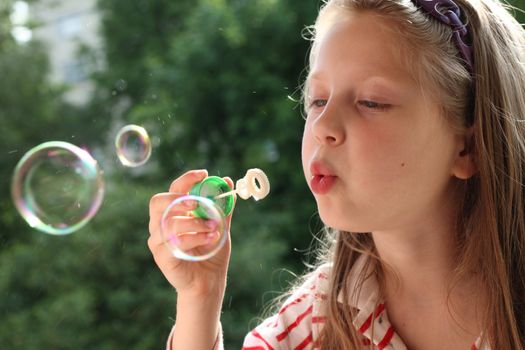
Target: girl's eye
column 373, row 105
column 318, row 103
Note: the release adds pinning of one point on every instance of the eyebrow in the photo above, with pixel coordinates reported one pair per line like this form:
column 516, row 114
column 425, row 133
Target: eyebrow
column 380, row 79
column 388, row 85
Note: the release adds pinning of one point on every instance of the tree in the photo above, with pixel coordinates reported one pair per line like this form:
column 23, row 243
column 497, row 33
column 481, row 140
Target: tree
column 212, row 84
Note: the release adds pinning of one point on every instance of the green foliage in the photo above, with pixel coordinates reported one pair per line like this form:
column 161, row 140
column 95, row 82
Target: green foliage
column 95, row 289
column 213, row 87
column 209, row 81
column 517, row 9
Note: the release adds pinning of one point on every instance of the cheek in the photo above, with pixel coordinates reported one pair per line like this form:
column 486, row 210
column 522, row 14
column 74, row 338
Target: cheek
column 306, row 151
column 380, row 161
column 376, row 151
column 396, row 166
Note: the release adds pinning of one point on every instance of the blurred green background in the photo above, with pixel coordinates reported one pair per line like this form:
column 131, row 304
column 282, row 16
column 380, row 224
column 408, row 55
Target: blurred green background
column 216, row 84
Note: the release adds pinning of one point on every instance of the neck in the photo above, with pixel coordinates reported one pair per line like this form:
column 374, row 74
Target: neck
column 418, row 269
column 419, row 259
column 419, row 256
column 417, row 265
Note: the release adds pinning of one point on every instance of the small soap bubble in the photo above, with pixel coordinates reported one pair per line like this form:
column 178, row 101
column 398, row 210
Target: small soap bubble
column 57, row 187
column 133, row 145
column 193, row 246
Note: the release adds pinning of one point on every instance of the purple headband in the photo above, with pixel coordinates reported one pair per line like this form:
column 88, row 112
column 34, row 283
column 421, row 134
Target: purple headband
column 447, row 12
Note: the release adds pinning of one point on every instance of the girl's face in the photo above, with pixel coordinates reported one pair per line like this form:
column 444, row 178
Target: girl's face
column 376, row 152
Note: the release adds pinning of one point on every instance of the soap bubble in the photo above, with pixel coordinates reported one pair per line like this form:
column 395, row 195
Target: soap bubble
column 57, row 187
column 184, row 245
column 133, row 145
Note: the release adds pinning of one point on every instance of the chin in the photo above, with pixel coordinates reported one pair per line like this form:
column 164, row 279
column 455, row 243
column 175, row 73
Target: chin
column 336, row 223
column 342, row 224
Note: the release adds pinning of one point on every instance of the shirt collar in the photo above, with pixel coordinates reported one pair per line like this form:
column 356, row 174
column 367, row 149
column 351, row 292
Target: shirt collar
column 368, row 300
column 368, row 295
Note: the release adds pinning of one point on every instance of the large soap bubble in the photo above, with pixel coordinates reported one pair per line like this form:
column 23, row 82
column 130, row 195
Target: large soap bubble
column 57, row 187
column 193, row 246
column 133, row 145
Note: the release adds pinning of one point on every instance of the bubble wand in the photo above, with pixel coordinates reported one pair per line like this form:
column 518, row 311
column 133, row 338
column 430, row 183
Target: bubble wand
column 254, row 184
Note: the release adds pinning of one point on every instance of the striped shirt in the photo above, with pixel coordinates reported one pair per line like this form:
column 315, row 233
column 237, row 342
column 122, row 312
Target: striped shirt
column 297, row 325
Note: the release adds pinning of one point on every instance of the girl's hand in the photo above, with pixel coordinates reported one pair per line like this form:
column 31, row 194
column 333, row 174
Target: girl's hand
column 195, row 279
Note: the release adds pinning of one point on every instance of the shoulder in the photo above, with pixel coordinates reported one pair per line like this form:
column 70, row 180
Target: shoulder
column 299, row 319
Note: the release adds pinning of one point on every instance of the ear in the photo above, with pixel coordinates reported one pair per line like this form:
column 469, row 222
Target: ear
column 464, row 163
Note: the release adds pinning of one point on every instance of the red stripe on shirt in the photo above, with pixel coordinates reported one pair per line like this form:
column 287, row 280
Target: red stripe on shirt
column 294, row 324
column 304, row 343
column 368, row 321
column 386, row 339
column 294, row 302
column 257, row 335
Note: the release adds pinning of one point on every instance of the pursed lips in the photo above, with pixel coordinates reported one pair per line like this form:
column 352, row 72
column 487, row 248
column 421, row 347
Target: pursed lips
column 322, row 178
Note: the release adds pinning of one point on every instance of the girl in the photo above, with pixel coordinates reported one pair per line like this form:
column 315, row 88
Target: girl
column 414, row 149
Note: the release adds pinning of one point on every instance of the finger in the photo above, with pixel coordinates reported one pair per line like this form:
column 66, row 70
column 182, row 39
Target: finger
column 230, row 183
column 155, row 243
column 184, row 242
column 159, row 202
column 184, row 182
column 192, row 240
column 159, row 251
column 183, row 224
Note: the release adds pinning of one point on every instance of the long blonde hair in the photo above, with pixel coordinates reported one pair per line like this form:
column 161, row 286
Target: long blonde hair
column 488, row 104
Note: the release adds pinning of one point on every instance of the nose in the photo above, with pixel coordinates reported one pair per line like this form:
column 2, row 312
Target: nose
column 328, row 128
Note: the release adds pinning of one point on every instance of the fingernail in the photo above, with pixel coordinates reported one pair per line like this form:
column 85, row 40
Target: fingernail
column 188, row 204
column 211, row 236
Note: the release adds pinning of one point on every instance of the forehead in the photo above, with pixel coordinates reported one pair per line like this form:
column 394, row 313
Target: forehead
column 362, row 44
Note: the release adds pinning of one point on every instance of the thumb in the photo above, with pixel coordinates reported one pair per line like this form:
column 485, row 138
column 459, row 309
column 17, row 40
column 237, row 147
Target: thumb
column 230, row 183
